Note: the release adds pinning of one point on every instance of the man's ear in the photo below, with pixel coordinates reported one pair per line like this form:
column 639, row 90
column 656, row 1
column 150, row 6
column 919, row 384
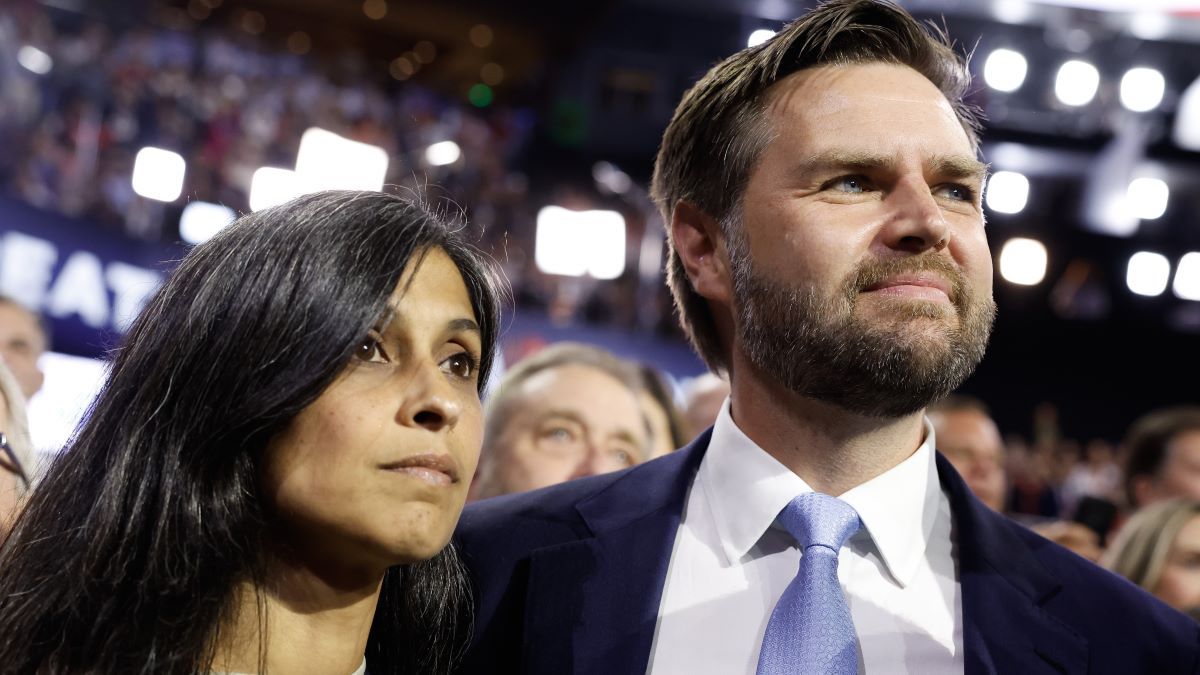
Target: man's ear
column 700, row 245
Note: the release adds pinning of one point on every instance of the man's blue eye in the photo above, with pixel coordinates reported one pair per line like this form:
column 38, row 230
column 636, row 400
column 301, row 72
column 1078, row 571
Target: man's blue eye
column 960, row 193
column 849, row 184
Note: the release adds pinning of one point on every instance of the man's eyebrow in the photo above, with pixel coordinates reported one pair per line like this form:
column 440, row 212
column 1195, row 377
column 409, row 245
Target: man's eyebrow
column 959, row 166
column 950, row 166
column 841, row 160
column 561, row 413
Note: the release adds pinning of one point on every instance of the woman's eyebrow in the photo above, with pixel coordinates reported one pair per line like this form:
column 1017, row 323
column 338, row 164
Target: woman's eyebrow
column 463, row 324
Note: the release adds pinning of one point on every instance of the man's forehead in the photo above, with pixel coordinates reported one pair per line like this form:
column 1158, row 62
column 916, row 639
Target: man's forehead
column 16, row 320
column 872, row 97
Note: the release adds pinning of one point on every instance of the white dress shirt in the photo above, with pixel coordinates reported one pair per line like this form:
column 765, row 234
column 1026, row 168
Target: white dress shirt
column 731, row 562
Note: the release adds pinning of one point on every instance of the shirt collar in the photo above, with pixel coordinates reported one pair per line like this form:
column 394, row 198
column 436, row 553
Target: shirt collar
column 747, row 488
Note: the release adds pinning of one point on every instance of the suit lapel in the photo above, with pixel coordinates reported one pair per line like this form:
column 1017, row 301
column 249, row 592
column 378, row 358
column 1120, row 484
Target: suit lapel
column 592, row 605
column 1005, row 628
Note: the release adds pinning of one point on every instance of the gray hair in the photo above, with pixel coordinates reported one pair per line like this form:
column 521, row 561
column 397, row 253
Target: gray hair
column 17, row 426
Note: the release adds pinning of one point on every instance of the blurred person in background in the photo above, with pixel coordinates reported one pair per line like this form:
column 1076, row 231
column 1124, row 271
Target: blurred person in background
column 23, row 340
column 16, row 451
column 702, row 401
column 1033, row 491
column 570, row 410
column 269, row 478
column 1158, row 549
column 968, row 437
column 1162, row 451
column 666, row 421
column 1096, row 475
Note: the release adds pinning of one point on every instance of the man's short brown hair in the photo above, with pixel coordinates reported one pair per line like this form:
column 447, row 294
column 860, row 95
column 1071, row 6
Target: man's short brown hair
column 1147, row 441
column 719, row 128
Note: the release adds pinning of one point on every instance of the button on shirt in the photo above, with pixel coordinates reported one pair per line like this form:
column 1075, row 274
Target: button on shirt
column 731, row 562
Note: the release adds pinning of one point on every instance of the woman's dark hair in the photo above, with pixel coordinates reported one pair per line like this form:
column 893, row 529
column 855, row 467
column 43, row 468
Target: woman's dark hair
column 127, row 555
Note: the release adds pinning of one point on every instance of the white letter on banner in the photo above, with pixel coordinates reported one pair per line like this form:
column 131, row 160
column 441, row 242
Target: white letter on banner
column 26, row 264
column 132, row 287
column 80, row 290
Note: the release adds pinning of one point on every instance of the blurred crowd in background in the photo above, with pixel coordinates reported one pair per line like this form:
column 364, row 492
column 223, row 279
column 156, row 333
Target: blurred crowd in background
column 229, row 104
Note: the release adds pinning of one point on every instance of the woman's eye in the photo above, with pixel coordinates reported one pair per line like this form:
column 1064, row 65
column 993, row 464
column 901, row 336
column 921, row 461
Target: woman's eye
column 461, row 365
column 370, row 351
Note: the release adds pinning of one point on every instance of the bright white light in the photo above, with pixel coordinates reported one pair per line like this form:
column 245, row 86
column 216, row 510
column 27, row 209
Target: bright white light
column 1142, row 89
column 759, row 36
column 70, row 385
column 1005, row 70
column 1147, row 198
column 575, row 243
column 1187, row 277
column 1012, row 11
column 1150, row 25
column 1007, row 192
column 327, row 161
column 612, row 179
column 1076, row 83
column 442, row 153
column 158, row 174
column 271, row 187
column 34, row 60
column 1187, row 118
column 1148, row 273
column 1023, row 261
column 201, row 220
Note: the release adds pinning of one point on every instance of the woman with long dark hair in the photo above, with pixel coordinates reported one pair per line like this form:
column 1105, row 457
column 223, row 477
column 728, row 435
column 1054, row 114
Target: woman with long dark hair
column 271, row 474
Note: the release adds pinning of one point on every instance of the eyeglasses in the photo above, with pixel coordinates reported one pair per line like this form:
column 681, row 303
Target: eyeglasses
column 10, row 461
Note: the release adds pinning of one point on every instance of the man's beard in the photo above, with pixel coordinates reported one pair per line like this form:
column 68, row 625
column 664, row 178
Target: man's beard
column 890, row 365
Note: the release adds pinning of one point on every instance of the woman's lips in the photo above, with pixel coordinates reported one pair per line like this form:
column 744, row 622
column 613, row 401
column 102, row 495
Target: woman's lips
column 432, row 468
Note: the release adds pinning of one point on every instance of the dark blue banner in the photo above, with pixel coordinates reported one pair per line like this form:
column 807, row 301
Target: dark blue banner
column 88, row 283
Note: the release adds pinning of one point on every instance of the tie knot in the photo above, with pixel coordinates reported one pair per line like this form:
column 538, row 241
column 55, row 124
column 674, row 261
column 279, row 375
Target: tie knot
column 815, row 519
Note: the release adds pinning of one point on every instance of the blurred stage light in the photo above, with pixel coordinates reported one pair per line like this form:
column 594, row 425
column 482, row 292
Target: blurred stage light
column 442, row 153
column 759, row 36
column 1007, row 192
column 1150, row 25
column 1142, row 89
column 1005, row 70
column 1147, row 198
column 1148, row 273
column 610, row 178
column 327, row 161
column 201, row 220
column 1076, row 83
column 271, row 187
column 1187, row 277
column 1187, row 118
column 34, row 60
column 480, row 95
column 1012, row 11
column 56, row 410
column 158, row 174
column 1023, row 261
column 575, row 243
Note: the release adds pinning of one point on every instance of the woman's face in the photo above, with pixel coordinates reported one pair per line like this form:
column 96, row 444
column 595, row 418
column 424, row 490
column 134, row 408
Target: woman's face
column 375, row 471
column 1179, row 585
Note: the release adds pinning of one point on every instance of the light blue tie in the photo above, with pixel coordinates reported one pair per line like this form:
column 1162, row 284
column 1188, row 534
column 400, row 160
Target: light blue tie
column 810, row 630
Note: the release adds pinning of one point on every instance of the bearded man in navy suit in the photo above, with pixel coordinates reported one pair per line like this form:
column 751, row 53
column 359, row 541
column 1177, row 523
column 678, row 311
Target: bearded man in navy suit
column 827, row 251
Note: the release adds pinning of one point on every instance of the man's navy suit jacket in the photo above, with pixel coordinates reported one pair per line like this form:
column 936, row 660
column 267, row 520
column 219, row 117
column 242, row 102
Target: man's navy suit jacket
column 568, row 579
